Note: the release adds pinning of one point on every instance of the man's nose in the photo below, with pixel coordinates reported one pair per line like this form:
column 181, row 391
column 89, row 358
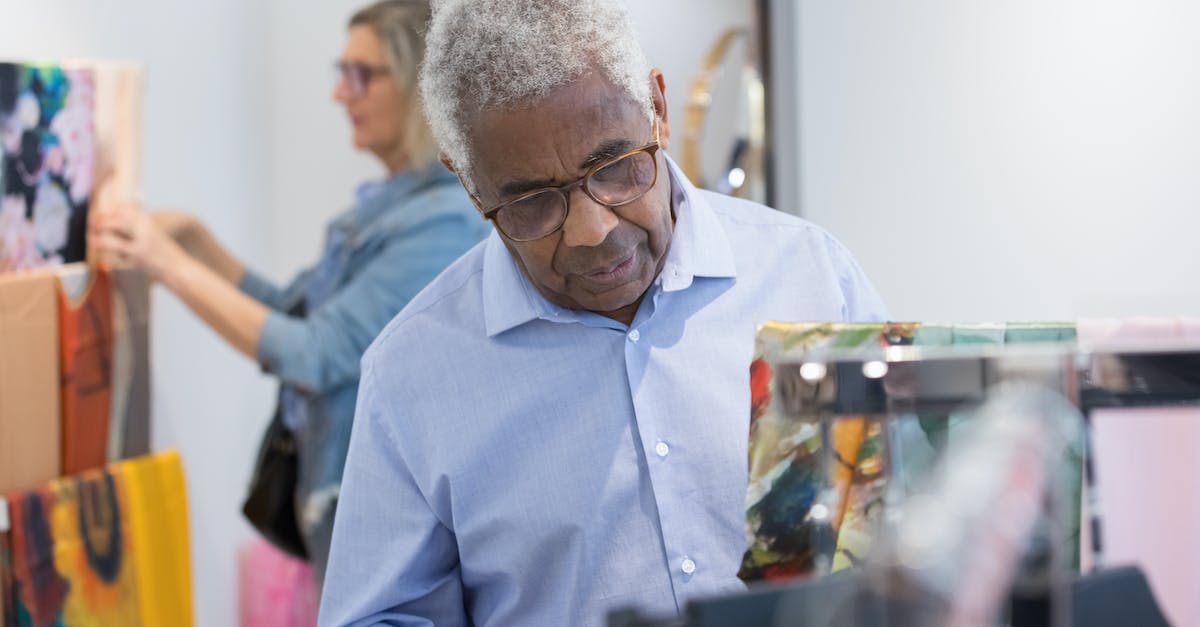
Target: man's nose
column 588, row 222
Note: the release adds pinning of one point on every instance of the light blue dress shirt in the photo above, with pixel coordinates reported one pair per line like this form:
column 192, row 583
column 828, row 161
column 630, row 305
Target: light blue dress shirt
column 398, row 236
column 517, row 463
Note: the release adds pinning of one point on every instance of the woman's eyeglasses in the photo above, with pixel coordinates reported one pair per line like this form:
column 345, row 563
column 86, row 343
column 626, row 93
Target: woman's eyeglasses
column 359, row 75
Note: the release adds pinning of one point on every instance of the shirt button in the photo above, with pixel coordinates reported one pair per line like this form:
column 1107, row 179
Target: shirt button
column 634, row 335
column 687, row 566
column 662, row 449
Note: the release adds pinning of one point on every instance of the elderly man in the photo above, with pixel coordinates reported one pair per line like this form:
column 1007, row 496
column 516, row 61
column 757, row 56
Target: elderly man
column 557, row 425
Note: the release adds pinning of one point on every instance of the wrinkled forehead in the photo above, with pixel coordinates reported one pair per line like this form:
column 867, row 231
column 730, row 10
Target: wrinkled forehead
column 556, row 135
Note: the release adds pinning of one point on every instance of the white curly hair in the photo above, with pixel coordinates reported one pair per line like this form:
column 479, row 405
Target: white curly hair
column 500, row 54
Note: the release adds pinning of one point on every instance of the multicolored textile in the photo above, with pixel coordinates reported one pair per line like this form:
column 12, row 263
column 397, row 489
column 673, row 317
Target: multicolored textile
column 71, row 553
column 809, row 512
column 46, row 154
column 86, row 350
column 104, row 548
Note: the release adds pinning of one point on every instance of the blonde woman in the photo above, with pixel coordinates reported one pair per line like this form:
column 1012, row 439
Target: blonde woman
column 400, row 233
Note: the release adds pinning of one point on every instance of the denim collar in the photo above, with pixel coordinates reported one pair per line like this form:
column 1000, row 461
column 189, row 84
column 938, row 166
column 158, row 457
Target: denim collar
column 373, row 199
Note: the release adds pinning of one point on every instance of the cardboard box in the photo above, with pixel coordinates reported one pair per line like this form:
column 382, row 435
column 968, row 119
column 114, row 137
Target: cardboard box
column 29, row 380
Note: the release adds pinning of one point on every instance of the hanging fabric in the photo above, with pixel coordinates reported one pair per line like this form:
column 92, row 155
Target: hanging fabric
column 129, row 419
column 85, row 336
column 274, row 588
column 108, row 547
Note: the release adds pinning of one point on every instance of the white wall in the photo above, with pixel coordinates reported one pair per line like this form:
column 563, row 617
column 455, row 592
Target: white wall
column 676, row 37
column 1007, row 160
column 313, row 166
column 205, row 150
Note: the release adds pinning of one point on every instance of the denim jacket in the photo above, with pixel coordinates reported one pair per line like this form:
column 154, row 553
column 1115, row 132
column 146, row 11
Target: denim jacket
column 400, row 235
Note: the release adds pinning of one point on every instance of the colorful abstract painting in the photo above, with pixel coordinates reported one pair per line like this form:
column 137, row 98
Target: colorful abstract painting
column 72, row 554
column 814, row 506
column 47, row 150
column 104, row 548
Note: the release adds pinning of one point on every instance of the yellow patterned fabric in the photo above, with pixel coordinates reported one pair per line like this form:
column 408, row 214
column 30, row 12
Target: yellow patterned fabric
column 158, row 503
column 108, row 547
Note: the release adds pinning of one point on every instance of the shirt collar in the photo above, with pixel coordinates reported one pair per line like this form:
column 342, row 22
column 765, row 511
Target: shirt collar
column 699, row 244
column 699, row 248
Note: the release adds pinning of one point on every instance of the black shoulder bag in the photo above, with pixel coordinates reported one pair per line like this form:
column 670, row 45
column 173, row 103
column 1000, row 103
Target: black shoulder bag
column 271, row 502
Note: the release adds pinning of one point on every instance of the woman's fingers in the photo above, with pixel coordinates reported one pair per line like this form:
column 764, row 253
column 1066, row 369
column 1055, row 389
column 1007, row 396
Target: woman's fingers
column 110, row 228
column 112, row 221
column 110, row 214
column 131, row 225
column 109, row 243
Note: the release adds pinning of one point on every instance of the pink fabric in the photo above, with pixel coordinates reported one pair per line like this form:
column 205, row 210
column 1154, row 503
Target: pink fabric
column 276, row 590
column 1147, row 464
column 1154, row 332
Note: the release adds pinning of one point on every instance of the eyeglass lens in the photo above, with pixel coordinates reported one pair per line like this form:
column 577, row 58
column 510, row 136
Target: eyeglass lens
column 617, row 183
column 356, row 75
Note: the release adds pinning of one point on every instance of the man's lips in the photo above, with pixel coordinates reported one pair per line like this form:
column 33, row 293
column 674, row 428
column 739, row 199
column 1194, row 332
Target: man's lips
column 614, row 274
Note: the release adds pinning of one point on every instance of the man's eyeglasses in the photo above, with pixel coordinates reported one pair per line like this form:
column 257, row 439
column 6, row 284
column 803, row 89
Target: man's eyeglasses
column 359, row 75
column 612, row 183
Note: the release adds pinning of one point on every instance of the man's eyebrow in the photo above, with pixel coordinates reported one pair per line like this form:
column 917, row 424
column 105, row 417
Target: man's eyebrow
column 607, row 150
column 516, row 188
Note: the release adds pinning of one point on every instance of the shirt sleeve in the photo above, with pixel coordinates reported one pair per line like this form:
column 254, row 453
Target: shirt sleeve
column 861, row 302
column 392, row 561
column 264, row 291
column 322, row 350
column 260, row 289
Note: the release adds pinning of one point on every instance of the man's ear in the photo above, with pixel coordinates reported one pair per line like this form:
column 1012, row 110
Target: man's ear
column 450, row 166
column 658, row 96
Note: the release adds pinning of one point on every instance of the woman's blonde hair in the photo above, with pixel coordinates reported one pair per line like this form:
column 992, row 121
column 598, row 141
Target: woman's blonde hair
column 400, row 26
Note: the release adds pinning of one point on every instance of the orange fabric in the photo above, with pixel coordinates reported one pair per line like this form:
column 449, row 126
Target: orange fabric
column 85, row 340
